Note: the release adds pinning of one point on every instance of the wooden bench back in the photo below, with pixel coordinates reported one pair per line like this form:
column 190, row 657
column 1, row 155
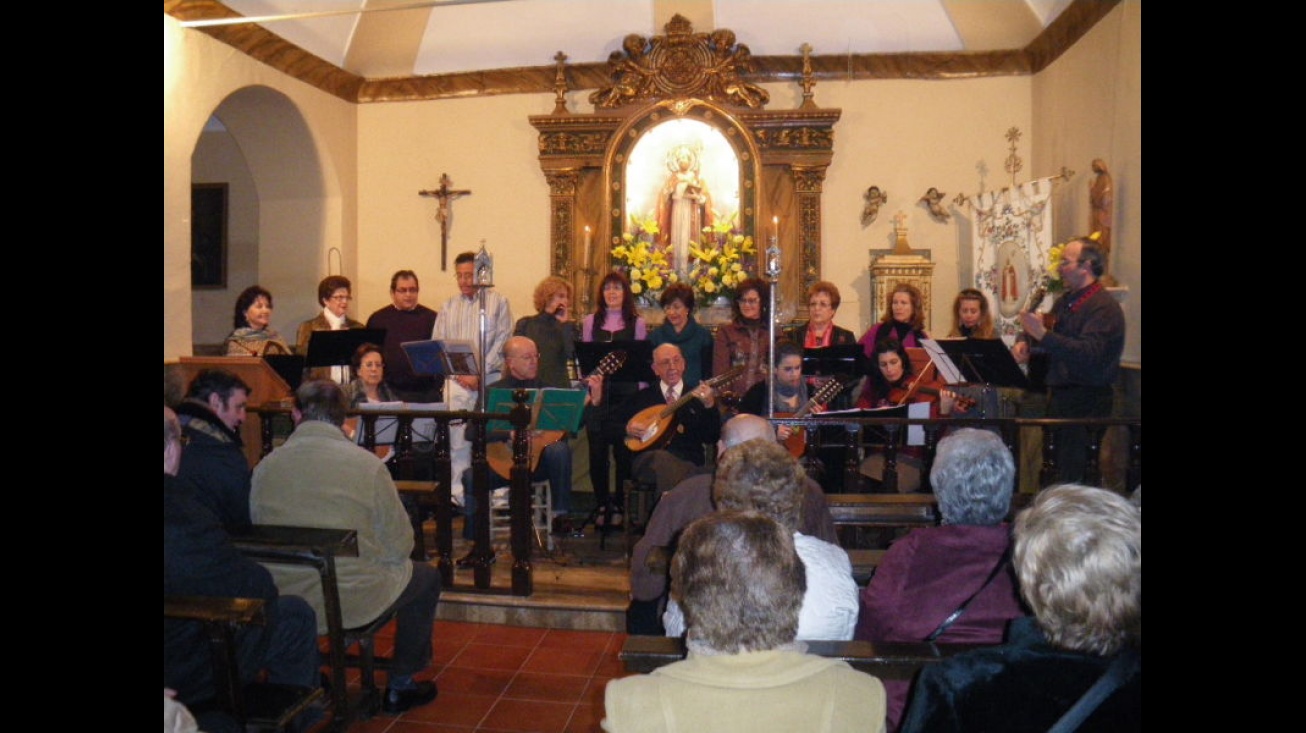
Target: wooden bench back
column 890, row 661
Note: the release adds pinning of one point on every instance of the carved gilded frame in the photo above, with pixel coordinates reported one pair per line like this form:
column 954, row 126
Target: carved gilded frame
column 783, row 154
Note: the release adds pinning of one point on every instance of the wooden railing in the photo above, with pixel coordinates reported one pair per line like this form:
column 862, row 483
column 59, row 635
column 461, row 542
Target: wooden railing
column 438, row 492
column 1011, row 429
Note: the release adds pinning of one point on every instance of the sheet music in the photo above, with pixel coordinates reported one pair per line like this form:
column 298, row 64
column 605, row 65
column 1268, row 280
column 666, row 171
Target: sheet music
column 947, row 368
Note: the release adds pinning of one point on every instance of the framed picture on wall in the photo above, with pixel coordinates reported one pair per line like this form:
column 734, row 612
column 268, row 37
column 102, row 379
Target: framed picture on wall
column 208, row 235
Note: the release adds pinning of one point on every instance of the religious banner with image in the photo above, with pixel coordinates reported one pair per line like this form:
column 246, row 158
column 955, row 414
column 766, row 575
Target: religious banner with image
column 1012, row 239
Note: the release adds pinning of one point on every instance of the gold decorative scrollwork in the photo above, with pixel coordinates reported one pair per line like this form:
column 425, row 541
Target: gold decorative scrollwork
column 796, row 137
column 808, row 180
column 561, row 183
column 572, row 143
column 680, row 64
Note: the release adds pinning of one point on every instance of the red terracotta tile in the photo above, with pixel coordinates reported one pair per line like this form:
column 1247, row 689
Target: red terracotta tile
column 410, row 726
column 510, row 635
column 563, row 661
column 610, row 665
column 528, row 716
column 566, row 639
column 491, row 656
column 469, row 681
column 593, row 694
column 548, row 687
column 586, row 719
column 452, row 708
column 457, row 630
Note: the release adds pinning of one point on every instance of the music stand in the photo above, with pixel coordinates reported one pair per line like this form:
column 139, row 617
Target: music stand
column 336, row 348
column 290, row 367
column 639, row 359
column 843, row 360
column 985, row 361
column 432, row 358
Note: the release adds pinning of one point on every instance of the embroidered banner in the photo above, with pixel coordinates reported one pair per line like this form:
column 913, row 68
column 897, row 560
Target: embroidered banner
column 1012, row 237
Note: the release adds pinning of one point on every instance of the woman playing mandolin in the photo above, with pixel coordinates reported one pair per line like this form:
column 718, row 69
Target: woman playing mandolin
column 790, row 389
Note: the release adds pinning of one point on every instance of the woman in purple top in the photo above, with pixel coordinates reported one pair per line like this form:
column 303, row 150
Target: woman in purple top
column 614, row 319
column 903, row 321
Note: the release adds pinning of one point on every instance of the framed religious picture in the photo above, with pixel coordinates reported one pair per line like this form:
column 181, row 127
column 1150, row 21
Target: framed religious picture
column 208, row 235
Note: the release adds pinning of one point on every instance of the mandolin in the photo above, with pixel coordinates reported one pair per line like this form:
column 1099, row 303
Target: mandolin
column 662, row 418
column 797, row 440
column 499, row 453
column 1049, row 320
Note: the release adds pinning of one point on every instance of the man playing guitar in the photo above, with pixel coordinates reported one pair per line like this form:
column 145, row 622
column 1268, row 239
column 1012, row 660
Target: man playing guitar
column 522, row 360
column 676, row 443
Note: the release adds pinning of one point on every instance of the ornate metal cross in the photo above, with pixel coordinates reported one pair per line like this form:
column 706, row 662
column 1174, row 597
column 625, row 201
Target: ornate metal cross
column 446, row 196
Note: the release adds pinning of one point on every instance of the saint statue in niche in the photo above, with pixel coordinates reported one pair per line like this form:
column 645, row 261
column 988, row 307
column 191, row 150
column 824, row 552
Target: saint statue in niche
column 684, row 206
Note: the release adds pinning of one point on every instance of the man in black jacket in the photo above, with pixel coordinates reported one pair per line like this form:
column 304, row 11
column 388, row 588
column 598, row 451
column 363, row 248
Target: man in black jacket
column 695, row 425
column 214, row 460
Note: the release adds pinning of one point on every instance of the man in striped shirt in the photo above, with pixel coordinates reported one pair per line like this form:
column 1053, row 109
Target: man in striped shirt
column 460, row 319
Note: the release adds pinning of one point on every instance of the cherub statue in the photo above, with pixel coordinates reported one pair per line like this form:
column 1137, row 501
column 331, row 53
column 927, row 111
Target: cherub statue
column 874, row 197
column 933, row 199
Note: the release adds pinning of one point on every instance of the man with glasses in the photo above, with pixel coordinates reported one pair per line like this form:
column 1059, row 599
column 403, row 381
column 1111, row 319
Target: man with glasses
column 1083, row 349
column 522, row 358
column 405, row 320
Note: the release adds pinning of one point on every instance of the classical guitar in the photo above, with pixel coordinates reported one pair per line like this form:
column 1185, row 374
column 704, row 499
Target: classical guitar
column 499, row 453
column 797, row 440
column 661, row 419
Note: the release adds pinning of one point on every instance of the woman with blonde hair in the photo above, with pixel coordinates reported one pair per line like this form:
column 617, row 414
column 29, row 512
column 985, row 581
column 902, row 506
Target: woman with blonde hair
column 971, row 316
column 552, row 330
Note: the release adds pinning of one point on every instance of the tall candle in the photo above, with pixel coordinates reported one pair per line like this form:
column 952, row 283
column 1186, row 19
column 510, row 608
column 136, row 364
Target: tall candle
column 588, row 242
column 775, row 228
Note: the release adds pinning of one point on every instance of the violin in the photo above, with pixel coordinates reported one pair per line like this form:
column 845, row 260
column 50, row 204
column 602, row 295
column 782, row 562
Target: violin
column 901, row 395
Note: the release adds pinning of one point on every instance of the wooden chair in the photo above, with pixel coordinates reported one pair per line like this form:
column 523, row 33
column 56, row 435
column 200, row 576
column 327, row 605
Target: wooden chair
column 261, row 706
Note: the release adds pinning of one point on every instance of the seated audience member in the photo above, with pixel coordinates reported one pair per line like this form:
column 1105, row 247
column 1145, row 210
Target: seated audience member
column 405, row 320
column 199, row 560
column 214, row 460
column 741, row 584
column 689, row 500
column 1079, row 559
column 696, row 424
column 253, row 334
column 760, row 475
column 319, row 478
column 333, row 294
column 522, row 360
column 933, row 572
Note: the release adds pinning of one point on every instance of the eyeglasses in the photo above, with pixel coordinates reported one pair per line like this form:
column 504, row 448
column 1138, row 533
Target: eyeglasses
column 345, row 298
column 405, row 291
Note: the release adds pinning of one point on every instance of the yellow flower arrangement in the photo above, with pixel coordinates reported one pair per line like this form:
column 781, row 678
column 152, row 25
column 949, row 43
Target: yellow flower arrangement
column 644, row 263
column 720, row 261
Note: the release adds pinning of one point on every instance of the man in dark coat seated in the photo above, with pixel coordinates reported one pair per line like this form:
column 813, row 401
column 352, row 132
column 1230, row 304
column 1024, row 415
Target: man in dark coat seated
column 199, row 560
column 214, row 460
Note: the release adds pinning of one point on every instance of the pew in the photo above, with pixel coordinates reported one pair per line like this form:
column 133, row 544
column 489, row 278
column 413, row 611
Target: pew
column 889, row 661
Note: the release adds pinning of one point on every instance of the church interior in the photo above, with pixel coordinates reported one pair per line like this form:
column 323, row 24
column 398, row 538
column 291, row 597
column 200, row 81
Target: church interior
column 856, row 141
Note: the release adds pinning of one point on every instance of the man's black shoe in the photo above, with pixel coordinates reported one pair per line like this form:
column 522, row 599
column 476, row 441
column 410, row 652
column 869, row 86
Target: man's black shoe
column 397, row 701
column 468, row 560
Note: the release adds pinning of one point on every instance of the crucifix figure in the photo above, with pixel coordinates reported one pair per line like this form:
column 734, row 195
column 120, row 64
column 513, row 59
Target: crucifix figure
column 446, row 196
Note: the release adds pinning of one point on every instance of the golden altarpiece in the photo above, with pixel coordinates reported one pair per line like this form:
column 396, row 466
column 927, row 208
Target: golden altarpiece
column 901, row 264
column 676, row 130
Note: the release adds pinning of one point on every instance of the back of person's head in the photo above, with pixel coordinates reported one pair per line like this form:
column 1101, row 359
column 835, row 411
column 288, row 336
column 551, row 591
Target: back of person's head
column 1079, row 558
column 321, row 400
column 760, row 475
column 218, row 382
column 1091, row 254
column 745, row 427
column 973, row 477
column 171, row 441
column 739, row 581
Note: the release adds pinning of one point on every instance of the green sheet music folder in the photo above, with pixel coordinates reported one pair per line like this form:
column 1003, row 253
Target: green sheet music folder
column 559, row 409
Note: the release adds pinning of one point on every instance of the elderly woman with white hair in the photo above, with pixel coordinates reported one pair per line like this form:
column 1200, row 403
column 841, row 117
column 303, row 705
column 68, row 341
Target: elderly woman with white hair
column 951, row 583
column 1077, row 664
column 741, row 584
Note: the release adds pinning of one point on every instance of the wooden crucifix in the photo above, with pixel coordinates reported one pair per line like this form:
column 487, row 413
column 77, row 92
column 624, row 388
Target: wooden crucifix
column 446, row 196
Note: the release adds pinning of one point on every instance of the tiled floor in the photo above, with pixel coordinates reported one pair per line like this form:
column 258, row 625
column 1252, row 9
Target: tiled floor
column 508, row 678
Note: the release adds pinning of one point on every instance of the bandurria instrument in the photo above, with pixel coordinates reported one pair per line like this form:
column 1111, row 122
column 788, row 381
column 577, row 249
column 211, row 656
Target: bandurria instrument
column 797, row 440
column 499, row 453
column 662, row 418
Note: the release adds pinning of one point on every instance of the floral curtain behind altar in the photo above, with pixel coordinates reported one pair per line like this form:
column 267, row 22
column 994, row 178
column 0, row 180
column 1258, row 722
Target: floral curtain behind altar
column 1012, row 244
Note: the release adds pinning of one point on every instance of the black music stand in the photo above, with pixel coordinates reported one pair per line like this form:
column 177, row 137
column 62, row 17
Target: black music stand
column 336, row 348
column 289, row 366
column 639, row 359
column 843, row 360
column 985, row 361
